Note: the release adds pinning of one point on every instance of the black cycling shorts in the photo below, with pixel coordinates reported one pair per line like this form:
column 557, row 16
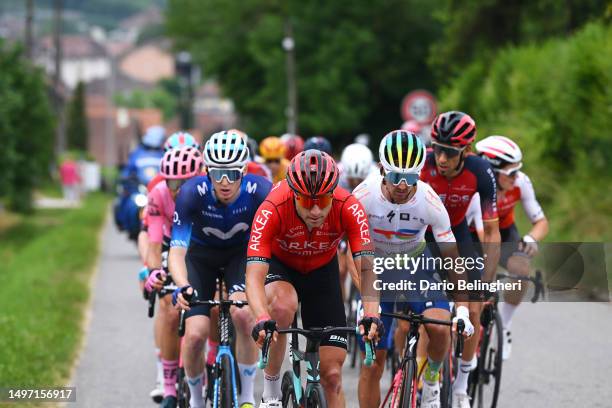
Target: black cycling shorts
column 510, row 239
column 319, row 294
column 205, row 265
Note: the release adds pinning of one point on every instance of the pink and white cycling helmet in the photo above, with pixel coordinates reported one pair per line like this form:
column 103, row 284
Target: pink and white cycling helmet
column 499, row 151
column 181, row 163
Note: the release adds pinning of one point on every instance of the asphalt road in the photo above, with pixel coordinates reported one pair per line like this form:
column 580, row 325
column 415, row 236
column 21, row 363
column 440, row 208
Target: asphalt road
column 562, row 352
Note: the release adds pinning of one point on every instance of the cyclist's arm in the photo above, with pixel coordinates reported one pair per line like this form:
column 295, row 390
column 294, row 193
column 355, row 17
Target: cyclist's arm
column 181, row 235
column 355, row 220
column 474, row 216
column 487, row 188
column 352, row 268
column 155, row 230
column 533, row 209
column 259, row 251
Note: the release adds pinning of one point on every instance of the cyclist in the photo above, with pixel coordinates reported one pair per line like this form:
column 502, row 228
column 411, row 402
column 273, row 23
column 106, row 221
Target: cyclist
column 273, row 152
column 456, row 175
column 292, row 252
column 143, row 162
column 210, row 231
column 400, row 208
column 175, row 141
column 505, row 157
column 318, row 143
column 254, row 166
column 178, row 165
column 293, row 145
column 356, row 163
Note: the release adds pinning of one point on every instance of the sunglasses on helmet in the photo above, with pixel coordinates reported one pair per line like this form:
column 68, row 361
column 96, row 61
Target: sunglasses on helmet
column 396, row 178
column 510, row 172
column 307, row 203
column 232, row 175
column 175, row 184
column 449, row 151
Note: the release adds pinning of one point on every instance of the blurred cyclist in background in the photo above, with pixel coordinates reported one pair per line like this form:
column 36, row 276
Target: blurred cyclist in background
column 143, row 162
column 293, row 145
column 318, row 143
column 272, row 150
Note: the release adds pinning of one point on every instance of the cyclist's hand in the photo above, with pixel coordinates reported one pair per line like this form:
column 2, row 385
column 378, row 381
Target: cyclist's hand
column 155, row 281
column 463, row 314
column 259, row 330
column 374, row 327
column 528, row 245
column 178, row 297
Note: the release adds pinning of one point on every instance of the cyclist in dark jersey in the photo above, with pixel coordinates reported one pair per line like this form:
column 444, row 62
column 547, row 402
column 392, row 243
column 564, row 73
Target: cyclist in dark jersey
column 292, row 251
column 210, row 231
column 456, row 175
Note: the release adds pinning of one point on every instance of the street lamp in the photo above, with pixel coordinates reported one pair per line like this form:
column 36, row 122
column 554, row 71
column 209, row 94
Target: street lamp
column 289, row 46
column 184, row 67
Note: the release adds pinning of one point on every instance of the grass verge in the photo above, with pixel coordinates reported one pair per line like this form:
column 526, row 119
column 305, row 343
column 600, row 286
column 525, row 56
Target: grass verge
column 46, row 262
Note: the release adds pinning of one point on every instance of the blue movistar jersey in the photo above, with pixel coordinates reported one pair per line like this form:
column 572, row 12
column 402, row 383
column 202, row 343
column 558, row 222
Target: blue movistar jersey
column 143, row 163
column 198, row 216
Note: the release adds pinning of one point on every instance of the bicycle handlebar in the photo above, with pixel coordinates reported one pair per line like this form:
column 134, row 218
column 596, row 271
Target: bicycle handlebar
column 196, row 302
column 417, row 318
column 153, row 294
column 537, row 281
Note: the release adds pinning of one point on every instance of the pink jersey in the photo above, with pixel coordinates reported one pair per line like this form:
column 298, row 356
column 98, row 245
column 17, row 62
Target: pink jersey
column 160, row 211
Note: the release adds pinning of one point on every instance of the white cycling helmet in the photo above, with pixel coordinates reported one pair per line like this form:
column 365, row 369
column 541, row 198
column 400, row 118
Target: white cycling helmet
column 154, row 137
column 356, row 161
column 499, row 151
column 226, row 149
column 401, row 151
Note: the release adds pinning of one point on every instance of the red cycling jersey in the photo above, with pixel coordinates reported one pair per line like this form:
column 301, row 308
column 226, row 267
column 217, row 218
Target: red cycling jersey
column 278, row 230
column 456, row 194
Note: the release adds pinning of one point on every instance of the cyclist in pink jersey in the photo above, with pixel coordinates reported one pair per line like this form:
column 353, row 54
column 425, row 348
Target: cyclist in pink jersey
column 178, row 165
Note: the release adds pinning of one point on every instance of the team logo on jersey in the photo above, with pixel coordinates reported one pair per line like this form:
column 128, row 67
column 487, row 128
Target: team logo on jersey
column 391, row 215
column 251, row 187
column 405, row 216
column 241, row 226
column 202, row 188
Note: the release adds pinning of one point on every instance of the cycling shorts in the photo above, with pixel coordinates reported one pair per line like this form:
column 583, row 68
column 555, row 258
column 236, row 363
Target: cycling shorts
column 510, row 239
column 206, row 264
column 319, row 294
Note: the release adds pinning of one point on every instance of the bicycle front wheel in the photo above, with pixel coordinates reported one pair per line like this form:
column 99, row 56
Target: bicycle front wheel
column 289, row 397
column 408, row 397
column 316, row 397
column 225, row 391
column 488, row 374
column 182, row 393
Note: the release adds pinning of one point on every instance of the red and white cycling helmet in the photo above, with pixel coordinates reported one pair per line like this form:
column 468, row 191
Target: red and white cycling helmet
column 499, row 151
column 181, row 163
column 312, row 173
column 453, row 128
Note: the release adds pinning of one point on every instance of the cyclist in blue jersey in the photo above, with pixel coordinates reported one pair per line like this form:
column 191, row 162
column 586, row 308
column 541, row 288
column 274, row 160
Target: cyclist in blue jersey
column 143, row 162
column 211, row 228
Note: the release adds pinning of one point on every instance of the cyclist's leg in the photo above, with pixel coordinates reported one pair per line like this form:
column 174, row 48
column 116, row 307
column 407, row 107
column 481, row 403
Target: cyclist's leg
column 517, row 263
column 202, row 274
column 368, row 389
column 282, row 304
column 343, row 260
column 246, row 351
column 322, row 306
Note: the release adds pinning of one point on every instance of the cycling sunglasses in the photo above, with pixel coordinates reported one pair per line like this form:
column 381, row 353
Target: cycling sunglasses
column 510, row 172
column 396, row 178
column 232, row 175
column 307, row 203
column 275, row 161
column 449, row 151
column 175, row 184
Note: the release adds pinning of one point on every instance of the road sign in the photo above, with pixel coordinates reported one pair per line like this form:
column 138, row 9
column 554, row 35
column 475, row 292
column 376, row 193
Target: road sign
column 420, row 106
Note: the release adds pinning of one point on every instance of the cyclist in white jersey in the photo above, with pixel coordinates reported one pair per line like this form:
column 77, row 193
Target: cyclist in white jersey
column 400, row 208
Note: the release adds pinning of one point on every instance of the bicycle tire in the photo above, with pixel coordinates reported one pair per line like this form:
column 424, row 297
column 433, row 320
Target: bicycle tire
column 288, row 391
column 316, row 397
column 489, row 365
column 225, row 391
column 182, row 393
column 446, row 390
column 408, row 397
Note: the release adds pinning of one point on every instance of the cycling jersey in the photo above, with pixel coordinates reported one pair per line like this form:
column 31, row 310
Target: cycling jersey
column 143, row 163
column 476, row 176
column 258, row 170
column 473, row 216
column 278, row 230
column 155, row 181
column 400, row 228
column 160, row 210
column 200, row 217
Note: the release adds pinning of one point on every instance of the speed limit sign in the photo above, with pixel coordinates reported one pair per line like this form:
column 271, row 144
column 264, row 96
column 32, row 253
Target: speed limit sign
column 419, row 106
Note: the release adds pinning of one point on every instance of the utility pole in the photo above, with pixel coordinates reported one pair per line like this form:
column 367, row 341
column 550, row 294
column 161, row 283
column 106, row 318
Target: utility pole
column 292, row 109
column 57, row 77
column 28, row 28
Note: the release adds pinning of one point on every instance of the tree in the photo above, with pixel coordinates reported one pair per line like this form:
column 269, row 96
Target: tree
column 354, row 60
column 77, row 132
column 26, row 126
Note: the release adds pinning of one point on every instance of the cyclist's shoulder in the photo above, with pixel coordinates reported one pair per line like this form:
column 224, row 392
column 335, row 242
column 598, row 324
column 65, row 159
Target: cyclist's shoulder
column 198, row 185
column 280, row 194
column 477, row 165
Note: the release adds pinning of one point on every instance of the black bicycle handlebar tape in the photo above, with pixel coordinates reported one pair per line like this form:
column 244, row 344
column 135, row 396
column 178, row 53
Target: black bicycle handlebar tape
column 151, row 297
column 538, row 286
column 181, row 327
column 460, row 329
column 269, row 327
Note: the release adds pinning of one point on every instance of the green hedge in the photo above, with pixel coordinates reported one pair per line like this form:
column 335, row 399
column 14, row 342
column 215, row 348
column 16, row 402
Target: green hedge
column 555, row 100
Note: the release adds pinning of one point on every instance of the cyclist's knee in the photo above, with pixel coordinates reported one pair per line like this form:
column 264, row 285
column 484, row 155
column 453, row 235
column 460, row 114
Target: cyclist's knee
column 519, row 265
column 375, row 371
column 283, row 308
column 331, row 377
column 196, row 335
column 438, row 334
column 243, row 320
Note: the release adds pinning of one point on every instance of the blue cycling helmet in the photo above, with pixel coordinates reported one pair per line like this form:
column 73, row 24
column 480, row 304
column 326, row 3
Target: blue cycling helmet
column 180, row 139
column 154, row 137
column 318, row 143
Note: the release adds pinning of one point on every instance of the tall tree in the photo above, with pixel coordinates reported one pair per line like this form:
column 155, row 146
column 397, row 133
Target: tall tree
column 76, row 131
